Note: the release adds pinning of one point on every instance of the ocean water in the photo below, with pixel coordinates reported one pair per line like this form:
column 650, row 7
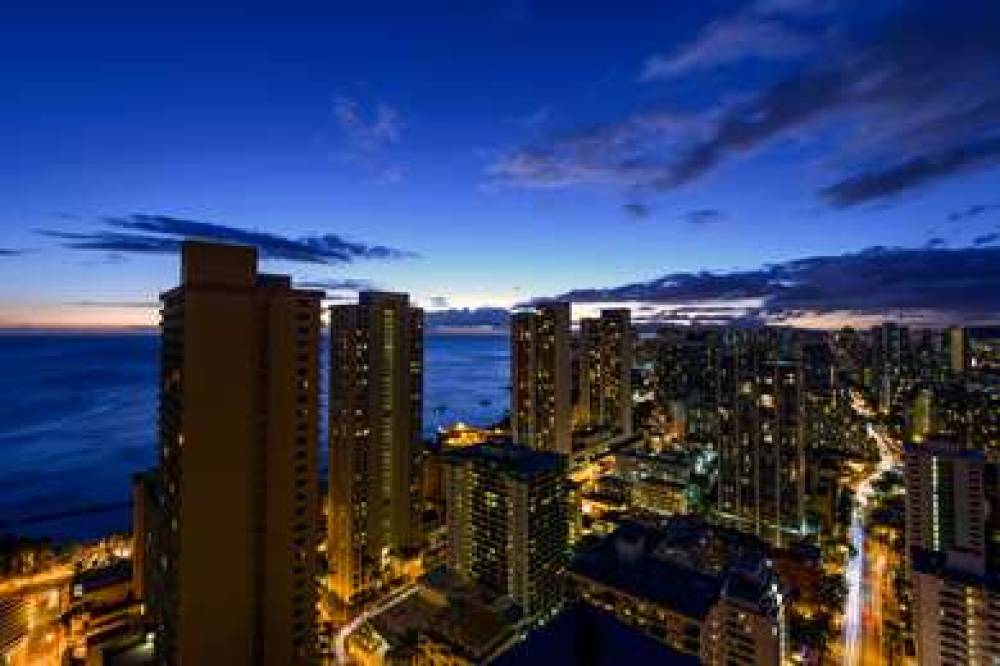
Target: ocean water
column 78, row 418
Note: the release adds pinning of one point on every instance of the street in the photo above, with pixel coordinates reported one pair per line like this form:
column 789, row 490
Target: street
column 868, row 572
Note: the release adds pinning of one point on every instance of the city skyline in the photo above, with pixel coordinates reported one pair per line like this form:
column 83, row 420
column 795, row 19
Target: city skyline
column 488, row 156
column 503, row 332
column 766, row 495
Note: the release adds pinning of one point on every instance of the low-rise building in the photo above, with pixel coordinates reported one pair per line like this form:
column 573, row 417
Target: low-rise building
column 447, row 621
column 729, row 614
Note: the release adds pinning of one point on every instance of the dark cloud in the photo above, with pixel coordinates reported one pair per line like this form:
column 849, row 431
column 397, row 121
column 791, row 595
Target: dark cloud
column 905, row 91
column 8, row 252
column 962, row 281
column 935, row 242
column 493, row 317
column 112, row 241
column 637, row 210
column 922, row 81
column 713, row 315
column 704, row 216
column 159, row 234
column 623, row 154
column 972, row 212
column 912, row 173
column 986, row 239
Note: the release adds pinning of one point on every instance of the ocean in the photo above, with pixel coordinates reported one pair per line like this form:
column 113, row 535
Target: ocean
column 78, row 418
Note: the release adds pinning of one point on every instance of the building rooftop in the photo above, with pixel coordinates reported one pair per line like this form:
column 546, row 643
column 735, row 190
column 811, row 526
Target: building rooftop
column 449, row 609
column 509, row 457
column 626, row 560
column 937, row 564
column 683, row 563
column 112, row 574
column 942, row 447
column 582, row 634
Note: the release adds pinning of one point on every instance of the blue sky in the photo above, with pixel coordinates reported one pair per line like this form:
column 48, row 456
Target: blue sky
column 507, row 150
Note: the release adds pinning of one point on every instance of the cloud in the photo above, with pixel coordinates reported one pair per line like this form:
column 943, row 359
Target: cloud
column 961, row 283
column 761, row 30
column 365, row 139
column 913, row 173
column 922, row 83
column 704, row 216
column 438, row 302
column 971, row 212
column 903, row 95
column 534, row 122
column 336, row 284
column 160, row 234
column 384, row 128
column 637, row 210
column 986, row 239
column 724, row 41
column 935, row 242
column 9, row 252
column 464, row 317
column 620, row 154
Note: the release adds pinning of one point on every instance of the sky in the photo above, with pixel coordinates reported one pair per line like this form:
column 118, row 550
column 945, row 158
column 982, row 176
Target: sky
column 804, row 161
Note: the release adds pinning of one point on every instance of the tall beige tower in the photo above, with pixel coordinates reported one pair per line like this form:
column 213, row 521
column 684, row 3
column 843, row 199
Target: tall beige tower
column 606, row 370
column 376, row 397
column 540, row 405
column 234, row 505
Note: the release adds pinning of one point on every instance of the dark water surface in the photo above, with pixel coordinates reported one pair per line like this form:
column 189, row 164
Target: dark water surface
column 78, row 418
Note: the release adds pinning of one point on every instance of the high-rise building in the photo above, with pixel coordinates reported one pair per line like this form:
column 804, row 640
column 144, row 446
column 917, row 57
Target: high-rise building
column 687, row 381
column 892, row 362
column 961, row 410
column 540, row 405
column 376, row 397
column 762, row 471
column 606, row 370
column 234, row 504
column 946, row 503
column 958, row 348
column 508, row 522
column 951, row 548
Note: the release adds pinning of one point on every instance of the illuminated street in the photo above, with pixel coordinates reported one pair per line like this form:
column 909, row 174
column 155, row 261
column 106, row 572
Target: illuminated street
column 57, row 575
column 340, row 640
column 867, row 571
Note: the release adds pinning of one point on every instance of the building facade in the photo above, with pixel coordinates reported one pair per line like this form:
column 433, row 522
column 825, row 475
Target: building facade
column 729, row 615
column 508, row 522
column 951, row 537
column 606, row 370
column 762, row 471
column 375, row 403
column 687, row 381
column 234, row 501
column 541, row 382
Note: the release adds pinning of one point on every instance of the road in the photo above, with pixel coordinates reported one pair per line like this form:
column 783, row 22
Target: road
column 868, row 574
column 54, row 577
column 340, row 640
